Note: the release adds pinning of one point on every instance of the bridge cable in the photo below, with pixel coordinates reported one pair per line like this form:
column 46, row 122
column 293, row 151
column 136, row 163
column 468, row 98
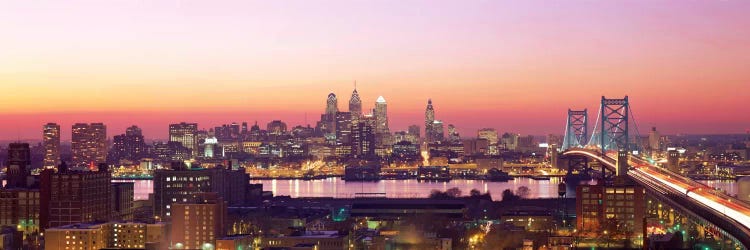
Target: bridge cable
column 637, row 133
column 594, row 132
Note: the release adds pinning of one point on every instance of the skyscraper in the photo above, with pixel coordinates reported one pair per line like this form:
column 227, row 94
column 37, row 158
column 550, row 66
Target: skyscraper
column 184, row 133
column 453, row 135
column 381, row 116
column 355, row 106
column 429, row 120
column 363, row 140
column 327, row 124
column 654, row 140
column 344, row 127
column 51, row 143
column 414, row 130
column 490, row 134
column 438, row 133
column 89, row 144
column 332, row 105
column 129, row 146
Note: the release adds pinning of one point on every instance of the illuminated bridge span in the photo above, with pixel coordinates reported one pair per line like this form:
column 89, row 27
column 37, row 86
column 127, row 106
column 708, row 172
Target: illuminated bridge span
column 732, row 216
column 612, row 142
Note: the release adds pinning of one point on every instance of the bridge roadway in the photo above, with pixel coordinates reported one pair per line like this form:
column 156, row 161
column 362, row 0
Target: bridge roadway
column 727, row 213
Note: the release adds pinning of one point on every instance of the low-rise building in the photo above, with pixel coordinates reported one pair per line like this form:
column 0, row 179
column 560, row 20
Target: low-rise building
column 321, row 240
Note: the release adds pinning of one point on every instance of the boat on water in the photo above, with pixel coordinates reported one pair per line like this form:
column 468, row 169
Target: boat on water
column 498, row 175
column 433, row 173
column 540, row 177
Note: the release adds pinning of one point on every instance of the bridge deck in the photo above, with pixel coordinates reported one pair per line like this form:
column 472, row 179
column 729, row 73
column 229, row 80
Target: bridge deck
column 731, row 215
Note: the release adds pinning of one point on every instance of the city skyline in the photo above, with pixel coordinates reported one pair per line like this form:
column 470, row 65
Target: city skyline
column 156, row 124
column 374, row 124
column 510, row 66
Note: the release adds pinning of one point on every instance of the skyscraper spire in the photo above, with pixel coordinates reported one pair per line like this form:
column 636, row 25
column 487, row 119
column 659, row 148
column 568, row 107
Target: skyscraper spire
column 332, row 104
column 355, row 104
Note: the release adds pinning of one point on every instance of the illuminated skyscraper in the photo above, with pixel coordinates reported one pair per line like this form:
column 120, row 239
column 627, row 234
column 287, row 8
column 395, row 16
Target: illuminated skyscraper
column 355, row 106
column 327, row 124
column 184, row 133
column 453, row 135
column 129, row 146
column 332, row 105
column 438, row 133
column 429, row 120
column 363, row 140
column 654, row 140
column 51, row 143
column 344, row 127
column 381, row 116
column 414, row 131
column 490, row 134
column 509, row 141
column 89, row 144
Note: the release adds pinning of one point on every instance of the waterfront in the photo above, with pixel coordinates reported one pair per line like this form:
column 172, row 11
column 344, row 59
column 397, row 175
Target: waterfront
column 335, row 187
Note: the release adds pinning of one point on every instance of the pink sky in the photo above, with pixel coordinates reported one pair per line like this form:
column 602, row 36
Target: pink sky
column 514, row 66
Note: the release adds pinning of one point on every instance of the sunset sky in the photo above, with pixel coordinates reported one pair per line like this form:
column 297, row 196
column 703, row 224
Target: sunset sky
column 511, row 65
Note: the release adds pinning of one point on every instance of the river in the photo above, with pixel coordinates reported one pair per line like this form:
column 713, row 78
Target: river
column 335, row 187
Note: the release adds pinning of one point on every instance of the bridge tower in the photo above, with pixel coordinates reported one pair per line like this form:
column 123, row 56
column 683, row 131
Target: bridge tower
column 613, row 134
column 576, row 131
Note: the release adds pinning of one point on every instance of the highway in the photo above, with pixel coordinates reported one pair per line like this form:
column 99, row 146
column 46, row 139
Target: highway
column 643, row 171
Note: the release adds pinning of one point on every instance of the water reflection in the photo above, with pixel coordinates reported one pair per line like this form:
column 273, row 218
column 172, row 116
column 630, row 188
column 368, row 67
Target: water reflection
column 334, row 187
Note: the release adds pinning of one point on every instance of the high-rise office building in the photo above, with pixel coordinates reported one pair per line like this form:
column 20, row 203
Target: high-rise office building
column 363, row 140
column 89, row 144
column 509, row 141
column 75, row 196
column 453, row 136
column 129, row 146
column 355, row 106
column 654, row 140
column 490, row 134
column 332, row 105
column 438, row 132
column 381, row 116
column 19, row 165
column 185, row 133
column 414, row 131
column 343, row 127
column 327, row 124
column 51, row 143
column 429, row 120
column 226, row 132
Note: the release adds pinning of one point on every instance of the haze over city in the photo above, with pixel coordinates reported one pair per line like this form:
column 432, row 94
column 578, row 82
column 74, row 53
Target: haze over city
column 513, row 66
